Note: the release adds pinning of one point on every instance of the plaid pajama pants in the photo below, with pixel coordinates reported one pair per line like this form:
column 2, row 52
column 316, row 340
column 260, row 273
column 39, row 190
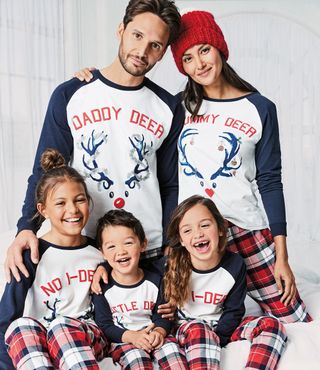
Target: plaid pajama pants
column 201, row 343
column 258, row 250
column 169, row 356
column 67, row 344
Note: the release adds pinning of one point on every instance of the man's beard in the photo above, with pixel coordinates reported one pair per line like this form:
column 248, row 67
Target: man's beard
column 133, row 71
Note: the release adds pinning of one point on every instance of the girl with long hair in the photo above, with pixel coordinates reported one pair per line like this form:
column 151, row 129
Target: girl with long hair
column 208, row 285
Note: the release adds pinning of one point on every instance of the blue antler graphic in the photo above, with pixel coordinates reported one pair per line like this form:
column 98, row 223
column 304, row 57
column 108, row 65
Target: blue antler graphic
column 228, row 157
column 91, row 149
column 189, row 170
column 92, row 144
column 139, row 153
column 119, row 323
column 88, row 314
column 53, row 309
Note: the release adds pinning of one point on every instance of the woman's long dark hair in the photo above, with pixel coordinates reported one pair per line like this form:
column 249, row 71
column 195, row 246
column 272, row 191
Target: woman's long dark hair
column 193, row 93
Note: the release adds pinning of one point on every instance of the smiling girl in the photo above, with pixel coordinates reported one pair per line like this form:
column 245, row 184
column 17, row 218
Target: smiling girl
column 50, row 311
column 208, row 285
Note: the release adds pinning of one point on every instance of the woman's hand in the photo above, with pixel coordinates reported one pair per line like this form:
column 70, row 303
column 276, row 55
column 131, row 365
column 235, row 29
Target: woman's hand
column 84, row 74
column 282, row 271
column 167, row 311
column 100, row 273
column 285, row 281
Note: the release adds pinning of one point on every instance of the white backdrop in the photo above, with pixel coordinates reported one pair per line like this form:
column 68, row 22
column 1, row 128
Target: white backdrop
column 31, row 64
column 273, row 44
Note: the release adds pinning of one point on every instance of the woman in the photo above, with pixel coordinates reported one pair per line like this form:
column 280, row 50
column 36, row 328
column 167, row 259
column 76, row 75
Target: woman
column 228, row 149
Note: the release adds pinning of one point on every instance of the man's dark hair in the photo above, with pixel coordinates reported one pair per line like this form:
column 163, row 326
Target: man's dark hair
column 164, row 9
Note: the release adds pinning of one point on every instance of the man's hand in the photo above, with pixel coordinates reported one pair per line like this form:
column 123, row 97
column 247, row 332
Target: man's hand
column 26, row 239
column 100, row 273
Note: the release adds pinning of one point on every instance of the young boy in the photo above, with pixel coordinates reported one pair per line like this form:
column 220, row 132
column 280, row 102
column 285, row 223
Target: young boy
column 127, row 309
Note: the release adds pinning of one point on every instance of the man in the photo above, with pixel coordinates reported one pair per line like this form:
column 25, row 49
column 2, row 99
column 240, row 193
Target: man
column 119, row 131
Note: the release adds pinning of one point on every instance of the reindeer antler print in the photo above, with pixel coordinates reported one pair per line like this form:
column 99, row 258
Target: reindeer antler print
column 52, row 309
column 138, row 154
column 229, row 162
column 92, row 144
column 89, row 159
column 189, row 170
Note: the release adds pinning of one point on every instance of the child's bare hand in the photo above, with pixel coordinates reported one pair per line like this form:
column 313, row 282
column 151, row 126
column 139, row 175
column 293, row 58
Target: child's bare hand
column 167, row 311
column 157, row 339
column 140, row 338
column 100, row 273
column 84, row 74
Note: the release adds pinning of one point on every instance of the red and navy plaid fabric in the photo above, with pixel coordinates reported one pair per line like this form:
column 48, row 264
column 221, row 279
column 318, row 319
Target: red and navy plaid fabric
column 201, row 345
column 268, row 339
column 266, row 334
column 26, row 341
column 68, row 343
column 169, row 356
column 258, row 250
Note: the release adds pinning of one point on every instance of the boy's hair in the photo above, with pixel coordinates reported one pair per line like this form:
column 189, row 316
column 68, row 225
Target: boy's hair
column 164, row 9
column 119, row 217
column 179, row 266
column 55, row 172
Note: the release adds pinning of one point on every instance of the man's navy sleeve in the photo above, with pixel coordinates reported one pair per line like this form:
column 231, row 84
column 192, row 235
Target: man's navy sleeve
column 55, row 134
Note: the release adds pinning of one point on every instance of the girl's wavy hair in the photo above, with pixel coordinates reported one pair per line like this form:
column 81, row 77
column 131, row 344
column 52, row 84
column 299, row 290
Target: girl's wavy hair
column 193, row 93
column 164, row 9
column 55, row 172
column 179, row 266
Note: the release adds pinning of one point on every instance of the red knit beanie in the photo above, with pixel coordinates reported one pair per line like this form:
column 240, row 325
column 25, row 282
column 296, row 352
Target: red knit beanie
column 197, row 27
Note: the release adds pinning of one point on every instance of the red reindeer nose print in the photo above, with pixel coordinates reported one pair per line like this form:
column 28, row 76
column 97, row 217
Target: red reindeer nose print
column 119, row 203
column 209, row 192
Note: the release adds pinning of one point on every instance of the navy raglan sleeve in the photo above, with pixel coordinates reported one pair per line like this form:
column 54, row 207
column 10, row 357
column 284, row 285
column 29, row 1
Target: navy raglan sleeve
column 12, row 307
column 268, row 165
column 167, row 167
column 156, row 317
column 103, row 318
column 233, row 307
column 55, row 134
